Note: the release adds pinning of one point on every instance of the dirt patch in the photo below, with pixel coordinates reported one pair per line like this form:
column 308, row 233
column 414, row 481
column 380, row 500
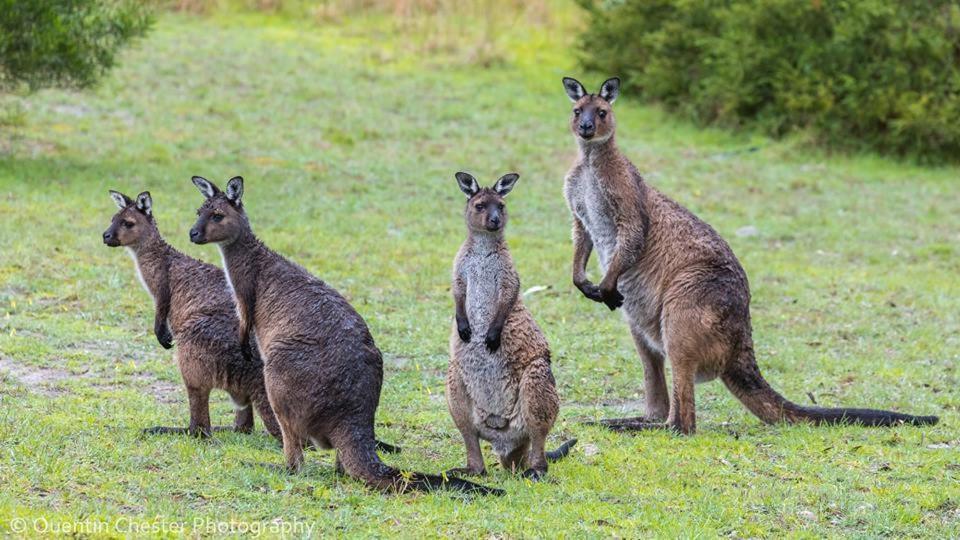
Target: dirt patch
column 38, row 379
column 44, row 381
column 101, row 349
column 397, row 362
column 162, row 391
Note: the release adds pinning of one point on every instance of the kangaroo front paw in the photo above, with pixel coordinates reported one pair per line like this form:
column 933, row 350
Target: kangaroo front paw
column 612, row 298
column 492, row 341
column 165, row 339
column 590, row 290
column 464, row 332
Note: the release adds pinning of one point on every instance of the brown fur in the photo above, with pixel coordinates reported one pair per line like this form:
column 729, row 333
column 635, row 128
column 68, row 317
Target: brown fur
column 193, row 307
column 322, row 370
column 683, row 291
column 499, row 388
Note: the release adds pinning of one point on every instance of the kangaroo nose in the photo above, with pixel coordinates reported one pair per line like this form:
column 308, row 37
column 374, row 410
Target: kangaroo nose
column 194, row 234
column 107, row 235
column 586, row 126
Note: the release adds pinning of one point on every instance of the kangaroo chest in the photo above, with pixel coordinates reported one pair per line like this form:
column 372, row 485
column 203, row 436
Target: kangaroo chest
column 489, row 378
column 482, row 273
column 588, row 202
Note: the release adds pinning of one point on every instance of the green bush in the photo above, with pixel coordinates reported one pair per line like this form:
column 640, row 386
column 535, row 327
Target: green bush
column 880, row 74
column 64, row 42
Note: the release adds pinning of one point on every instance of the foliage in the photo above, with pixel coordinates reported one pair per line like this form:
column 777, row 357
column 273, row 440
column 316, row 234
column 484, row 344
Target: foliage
column 870, row 73
column 68, row 43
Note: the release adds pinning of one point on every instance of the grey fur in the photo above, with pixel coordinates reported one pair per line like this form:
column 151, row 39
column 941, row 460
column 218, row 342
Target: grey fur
column 499, row 384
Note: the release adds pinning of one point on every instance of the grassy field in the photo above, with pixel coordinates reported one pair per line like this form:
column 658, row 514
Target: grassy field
column 348, row 139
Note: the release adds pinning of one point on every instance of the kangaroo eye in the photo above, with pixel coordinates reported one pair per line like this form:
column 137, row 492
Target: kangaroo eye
column 217, row 218
column 480, row 207
column 602, row 113
column 128, row 224
column 500, row 206
column 576, row 112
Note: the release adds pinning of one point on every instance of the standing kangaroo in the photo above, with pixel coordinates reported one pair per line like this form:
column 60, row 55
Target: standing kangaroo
column 193, row 305
column 684, row 293
column 322, row 370
column 499, row 389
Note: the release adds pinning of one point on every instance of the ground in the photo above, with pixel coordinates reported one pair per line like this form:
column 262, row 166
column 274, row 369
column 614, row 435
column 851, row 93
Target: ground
column 348, row 139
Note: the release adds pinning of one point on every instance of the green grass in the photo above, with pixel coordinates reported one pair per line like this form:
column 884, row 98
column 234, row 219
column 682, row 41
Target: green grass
column 348, row 141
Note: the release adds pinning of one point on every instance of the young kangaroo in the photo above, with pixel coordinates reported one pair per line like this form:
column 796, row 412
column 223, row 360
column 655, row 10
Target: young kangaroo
column 499, row 388
column 193, row 306
column 684, row 293
column 322, row 370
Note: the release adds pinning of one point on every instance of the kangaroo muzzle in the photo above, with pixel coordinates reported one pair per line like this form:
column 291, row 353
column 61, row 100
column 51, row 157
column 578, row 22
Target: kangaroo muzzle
column 110, row 239
column 494, row 221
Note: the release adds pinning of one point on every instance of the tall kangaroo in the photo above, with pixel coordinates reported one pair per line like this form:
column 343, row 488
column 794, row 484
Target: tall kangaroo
column 193, row 306
column 322, row 370
column 499, row 388
column 683, row 291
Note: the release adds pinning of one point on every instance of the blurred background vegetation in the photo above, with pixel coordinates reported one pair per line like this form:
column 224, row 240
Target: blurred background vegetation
column 877, row 75
column 476, row 32
column 67, row 43
column 864, row 74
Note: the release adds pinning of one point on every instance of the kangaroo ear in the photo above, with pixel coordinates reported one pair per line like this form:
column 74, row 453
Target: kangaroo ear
column 505, row 184
column 205, row 186
column 235, row 189
column 610, row 89
column 468, row 184
column 145, row 203
column 121, row 200
column 574, row 89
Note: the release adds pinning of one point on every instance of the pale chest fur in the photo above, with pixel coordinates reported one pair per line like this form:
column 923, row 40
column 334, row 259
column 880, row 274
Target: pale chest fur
column 489, row 378
column 481, row 272
column 136, row 266
column 589, row 204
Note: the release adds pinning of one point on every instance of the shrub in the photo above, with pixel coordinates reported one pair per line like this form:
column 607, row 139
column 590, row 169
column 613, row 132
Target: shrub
column 64, row 42
column 881, row 74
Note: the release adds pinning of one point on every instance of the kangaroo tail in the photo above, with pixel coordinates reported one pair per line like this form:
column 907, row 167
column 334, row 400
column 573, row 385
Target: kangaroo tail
column 743, row 379
column 562, row 451
column 362, row 461
column 388, row 448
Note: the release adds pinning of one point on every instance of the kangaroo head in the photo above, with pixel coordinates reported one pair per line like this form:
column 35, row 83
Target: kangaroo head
column 486, row 212
column 133, row 223
column 592, row 117
column 220, row 219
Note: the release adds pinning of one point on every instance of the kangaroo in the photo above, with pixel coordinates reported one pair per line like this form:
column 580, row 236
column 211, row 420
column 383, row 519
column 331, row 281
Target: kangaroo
column 683, row 291
column 194, row 306
column 322, row 370
column 499, row 389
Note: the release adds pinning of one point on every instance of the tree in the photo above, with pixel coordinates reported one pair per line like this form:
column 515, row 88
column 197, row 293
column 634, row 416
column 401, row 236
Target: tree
column 67, row 43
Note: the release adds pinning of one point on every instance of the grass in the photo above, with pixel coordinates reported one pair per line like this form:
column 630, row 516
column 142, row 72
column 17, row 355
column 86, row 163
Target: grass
column 348, row 139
